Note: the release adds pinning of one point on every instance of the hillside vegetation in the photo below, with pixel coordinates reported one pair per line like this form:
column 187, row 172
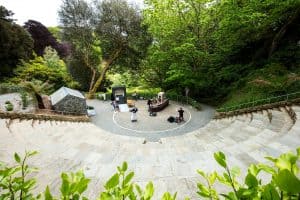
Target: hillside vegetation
column 224, row 51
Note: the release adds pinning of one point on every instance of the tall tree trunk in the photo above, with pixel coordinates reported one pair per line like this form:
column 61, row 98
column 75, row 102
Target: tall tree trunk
column 106, row 65
column 39, row 101
column 93, row 79
column 281, row 32
column 93, row 70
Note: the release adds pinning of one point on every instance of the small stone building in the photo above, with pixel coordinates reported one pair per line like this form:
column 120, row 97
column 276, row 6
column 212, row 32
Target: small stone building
column 68, row 101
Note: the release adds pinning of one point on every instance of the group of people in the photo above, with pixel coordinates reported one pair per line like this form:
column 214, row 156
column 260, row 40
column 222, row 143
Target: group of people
column 133, row 111
column 150, row 102
column 177, row 119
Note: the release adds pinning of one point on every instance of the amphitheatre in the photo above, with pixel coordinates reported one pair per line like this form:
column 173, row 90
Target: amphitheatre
column 106, row 99
column 169, row 160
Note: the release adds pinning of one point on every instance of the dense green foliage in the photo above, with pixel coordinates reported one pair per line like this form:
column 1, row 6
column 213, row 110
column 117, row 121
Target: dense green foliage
column 49, row 68
column 17, row 182
column 9, row 106
column 15, row 44
column 223, row 52
column 14, row 183
column 219, row 48
column 102, row 37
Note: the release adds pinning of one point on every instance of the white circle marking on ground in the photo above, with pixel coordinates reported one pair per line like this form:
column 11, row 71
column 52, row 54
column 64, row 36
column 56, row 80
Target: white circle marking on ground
column 166, row 130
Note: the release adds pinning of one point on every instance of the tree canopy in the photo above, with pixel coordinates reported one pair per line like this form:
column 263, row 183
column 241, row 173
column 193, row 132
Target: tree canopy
column 43, row 37
column 212, row 47
column 105, row 34
column 218, row 50
column 15, row 43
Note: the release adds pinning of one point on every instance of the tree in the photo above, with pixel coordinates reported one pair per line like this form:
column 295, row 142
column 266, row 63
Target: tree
column 110, row 35
column 37, row 88
column 15, row 43
column 124, row 39
column 76, row 17
column 45, row 69
column 42, row 38
column 56, row 32
column 212, row 47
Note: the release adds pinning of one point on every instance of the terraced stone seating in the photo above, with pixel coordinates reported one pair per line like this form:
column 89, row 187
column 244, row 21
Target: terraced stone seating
column 170, row 163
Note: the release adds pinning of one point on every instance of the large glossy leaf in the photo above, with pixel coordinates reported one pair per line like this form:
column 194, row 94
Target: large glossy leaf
column 286, row 161
column 266, row 168
column 47, row 194
column 288, row 182
column 65, row 186
column 128, row 178
column 149, row 191
column 212, row 177
column 32, row 153
column 112, row 182
column 270, row 193
column 253, row 169
column 251, row 181
column 202, row 173
column 168, row 196
column 203, row 190
column 220, row 158
column 138, row 189
column 124, row 166
column 82, row 185
column 17, row 158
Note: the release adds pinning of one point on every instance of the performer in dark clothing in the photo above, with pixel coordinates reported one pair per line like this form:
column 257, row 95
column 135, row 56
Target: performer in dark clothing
column 149, row 102
column 181, row 111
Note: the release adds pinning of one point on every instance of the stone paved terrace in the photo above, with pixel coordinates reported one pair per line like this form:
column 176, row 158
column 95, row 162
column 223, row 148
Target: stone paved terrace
column 151, row 128
column 171, row 163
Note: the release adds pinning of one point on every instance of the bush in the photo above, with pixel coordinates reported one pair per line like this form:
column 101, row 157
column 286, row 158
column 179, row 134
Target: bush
column 38, row 69
column 9, row 106
column 14, row 183
column 183, row 99
column 7, row 102
column 24, row 97
column 9, row 88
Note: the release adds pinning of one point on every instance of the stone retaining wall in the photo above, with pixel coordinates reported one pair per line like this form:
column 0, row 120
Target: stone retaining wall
column 46, row 117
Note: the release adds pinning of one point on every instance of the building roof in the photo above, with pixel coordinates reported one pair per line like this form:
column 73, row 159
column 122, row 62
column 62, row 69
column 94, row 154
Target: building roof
column 61, row 93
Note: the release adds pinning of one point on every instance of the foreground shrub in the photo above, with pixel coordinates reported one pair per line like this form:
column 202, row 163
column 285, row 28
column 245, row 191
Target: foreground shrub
column 14, row 183
column 9, row 106
column 24, row 98
column 284, row 184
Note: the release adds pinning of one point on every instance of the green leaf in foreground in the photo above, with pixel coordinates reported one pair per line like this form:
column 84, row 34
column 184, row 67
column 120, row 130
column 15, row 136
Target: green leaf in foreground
column 220, row 158
column 149, row 191
column 112, row 182
column 288, row 182
column 17, row 158
column 47, row 194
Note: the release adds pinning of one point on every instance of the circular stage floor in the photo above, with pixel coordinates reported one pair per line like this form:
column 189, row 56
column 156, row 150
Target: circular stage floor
column 151, row 128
